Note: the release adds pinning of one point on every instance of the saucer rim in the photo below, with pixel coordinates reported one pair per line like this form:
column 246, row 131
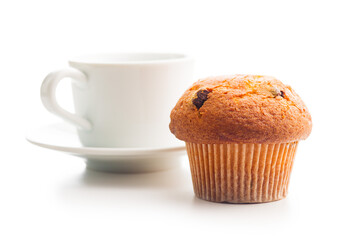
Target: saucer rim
column 108, row 151
column 101, row 151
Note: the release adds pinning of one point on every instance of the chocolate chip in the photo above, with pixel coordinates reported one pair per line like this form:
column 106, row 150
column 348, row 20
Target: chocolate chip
column 198, row 102
column 282, row 94
column 277, row 92
column 202, row 96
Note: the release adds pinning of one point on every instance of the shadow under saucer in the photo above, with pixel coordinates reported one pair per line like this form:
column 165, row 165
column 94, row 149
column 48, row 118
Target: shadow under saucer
column 163, row 179
column 104, row 189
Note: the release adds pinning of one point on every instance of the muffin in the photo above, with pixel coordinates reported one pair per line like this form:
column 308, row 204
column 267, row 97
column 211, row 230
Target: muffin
column 241, row 134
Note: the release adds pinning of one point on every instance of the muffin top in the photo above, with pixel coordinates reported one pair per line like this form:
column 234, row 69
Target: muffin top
column 240, row 109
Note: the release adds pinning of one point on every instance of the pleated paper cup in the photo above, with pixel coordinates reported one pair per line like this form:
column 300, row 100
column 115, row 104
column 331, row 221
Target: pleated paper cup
column 241, row 173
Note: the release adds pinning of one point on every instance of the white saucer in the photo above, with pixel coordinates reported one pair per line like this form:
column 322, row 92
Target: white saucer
column 63, row 137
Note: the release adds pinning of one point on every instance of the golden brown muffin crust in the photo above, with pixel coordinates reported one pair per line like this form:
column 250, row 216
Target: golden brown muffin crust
column 240, row 108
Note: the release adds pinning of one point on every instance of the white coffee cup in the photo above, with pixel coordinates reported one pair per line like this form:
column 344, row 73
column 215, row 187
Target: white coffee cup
column 122, row 100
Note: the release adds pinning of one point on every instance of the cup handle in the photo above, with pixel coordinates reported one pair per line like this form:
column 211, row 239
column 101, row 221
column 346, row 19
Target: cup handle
column 48, row 95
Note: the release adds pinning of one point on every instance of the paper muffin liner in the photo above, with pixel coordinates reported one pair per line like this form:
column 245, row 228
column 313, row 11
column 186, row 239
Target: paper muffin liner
column 241, row 173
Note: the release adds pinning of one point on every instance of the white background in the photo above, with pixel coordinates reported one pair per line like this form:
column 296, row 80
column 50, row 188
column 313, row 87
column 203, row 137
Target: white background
column 312, row 45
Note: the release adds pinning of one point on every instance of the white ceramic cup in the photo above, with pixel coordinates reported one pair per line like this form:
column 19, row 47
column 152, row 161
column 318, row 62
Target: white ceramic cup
column 122, row 100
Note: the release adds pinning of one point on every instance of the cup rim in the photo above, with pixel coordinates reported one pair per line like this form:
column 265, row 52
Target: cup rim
column 119, row 58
